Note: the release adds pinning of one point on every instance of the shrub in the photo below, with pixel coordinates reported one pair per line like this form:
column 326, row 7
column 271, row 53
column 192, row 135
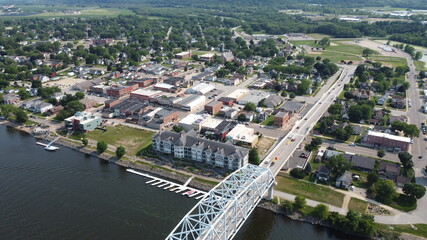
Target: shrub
column 298, row 173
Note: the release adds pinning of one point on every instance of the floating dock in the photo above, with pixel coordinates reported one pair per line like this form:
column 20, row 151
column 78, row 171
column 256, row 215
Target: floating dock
column 171, row 186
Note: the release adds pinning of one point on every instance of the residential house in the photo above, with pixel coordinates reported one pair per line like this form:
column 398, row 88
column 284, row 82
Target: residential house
column 398, row 102
column 11, row 98
column 322, row 173
column 361, row 163
column 389, row 170
column 273, row 101
column 344, row 181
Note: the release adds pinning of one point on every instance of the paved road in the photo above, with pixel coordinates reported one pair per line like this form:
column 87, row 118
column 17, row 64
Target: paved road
column 286, row 147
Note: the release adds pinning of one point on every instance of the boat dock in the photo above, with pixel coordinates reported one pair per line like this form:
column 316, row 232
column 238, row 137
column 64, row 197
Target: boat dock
column 171, row 186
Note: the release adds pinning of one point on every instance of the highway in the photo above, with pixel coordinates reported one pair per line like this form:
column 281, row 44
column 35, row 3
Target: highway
column 285, row 148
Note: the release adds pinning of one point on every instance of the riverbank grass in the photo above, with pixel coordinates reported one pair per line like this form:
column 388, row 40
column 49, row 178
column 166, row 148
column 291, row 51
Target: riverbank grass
column 415, row 229
column 309, row 190
column 131, row 138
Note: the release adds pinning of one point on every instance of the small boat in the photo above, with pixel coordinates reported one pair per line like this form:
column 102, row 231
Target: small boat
column 51, row 148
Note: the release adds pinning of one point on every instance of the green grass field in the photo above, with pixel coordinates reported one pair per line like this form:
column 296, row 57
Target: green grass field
column 340, row 51
column 131, row 138
column 357, row 205
column 389, row 61
column 309, row 190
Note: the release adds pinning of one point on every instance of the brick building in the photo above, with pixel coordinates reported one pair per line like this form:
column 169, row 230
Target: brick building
column 281, row 118
column 386, row 140
column 213, row 107
column 121, row 91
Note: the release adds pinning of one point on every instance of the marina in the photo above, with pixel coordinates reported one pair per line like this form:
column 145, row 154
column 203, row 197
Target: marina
column 172, row 186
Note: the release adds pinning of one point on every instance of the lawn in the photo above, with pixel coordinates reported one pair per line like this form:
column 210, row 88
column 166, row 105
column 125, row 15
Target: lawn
column 131, row 138
column 309, row 190
column 305, row 42
column 421, row 229
column 420, row 65
column 269, row 121
column 335, row 56
column 357, row 205
column 389, row 61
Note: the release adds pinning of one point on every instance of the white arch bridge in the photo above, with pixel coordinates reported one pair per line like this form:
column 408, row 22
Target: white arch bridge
column 221, row 213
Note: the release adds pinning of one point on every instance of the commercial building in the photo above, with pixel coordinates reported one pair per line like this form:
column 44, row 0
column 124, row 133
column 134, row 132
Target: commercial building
column 83, row 121
column 201, row 88
column 281, row 118
column 144, row 82
column 121, row 91
column 183, row 55
column 243, row 135
column 210, row 124
column 254, row 97
column 127, row 107
column 238, row 94
column 144, row 95
column 189, row 146
column 227, row 101
column 192, row 103
column 386, row 140
column 207, row 57
column 99, row 89
column 213, row 107
column 160, row 118
column 165, row 87
column 193, row 121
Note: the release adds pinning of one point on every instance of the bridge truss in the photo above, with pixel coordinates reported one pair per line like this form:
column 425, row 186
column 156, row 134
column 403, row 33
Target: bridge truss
column 221, row 213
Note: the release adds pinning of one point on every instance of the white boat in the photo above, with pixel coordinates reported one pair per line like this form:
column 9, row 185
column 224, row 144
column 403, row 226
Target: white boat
column 51, row 148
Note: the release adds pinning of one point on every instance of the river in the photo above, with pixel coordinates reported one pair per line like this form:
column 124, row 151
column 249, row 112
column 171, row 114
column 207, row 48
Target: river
column 70, row 195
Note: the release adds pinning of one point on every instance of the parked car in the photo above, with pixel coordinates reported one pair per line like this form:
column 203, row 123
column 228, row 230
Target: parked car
column 332, row 148
column 352, row 144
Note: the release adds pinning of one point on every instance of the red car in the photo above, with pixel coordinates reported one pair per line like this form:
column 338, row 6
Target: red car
column 293, row 140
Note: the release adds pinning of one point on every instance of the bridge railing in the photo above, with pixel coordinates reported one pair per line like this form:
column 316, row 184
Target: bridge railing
column 220, row 214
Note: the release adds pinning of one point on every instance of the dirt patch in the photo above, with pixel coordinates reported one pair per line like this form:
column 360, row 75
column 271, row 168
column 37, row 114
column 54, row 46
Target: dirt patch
column 264, row 144
column 333, row 44
column 315, row 53
column 65, row 82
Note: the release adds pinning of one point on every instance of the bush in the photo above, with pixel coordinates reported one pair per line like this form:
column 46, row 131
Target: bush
column 288, row 206
column 298, row 173
column 321, row 212
column 299, row 203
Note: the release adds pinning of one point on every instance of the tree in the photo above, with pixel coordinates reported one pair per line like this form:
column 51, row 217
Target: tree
column 254, row 157
column 316, row 141
column 177, row 128
column 324, row 42
column 381, row 153
column 414, row 190
column 222, row 73
column 338, row 164
column 299, row 202
column 303, row 87
column 366, row 52
column 101, row 146
column 335, row 108
column 250, row 107
column 23, row 94
column 85, row 142
column 284, row 94
column 321, row 212
column 120, row 152
column 308, row 168
column 21, row 116
column 298, row 173
column 384, row 191
column 372, row 178
column 418, row 55
column 406, row 160
column 241, row 117
column 79, row 95
column 292, row 95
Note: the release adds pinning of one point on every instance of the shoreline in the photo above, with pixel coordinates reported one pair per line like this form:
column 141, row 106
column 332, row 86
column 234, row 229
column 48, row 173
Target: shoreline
column 181, row 178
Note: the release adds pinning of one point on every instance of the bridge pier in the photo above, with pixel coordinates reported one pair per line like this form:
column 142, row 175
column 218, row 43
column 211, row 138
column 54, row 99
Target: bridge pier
column 270, row 191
